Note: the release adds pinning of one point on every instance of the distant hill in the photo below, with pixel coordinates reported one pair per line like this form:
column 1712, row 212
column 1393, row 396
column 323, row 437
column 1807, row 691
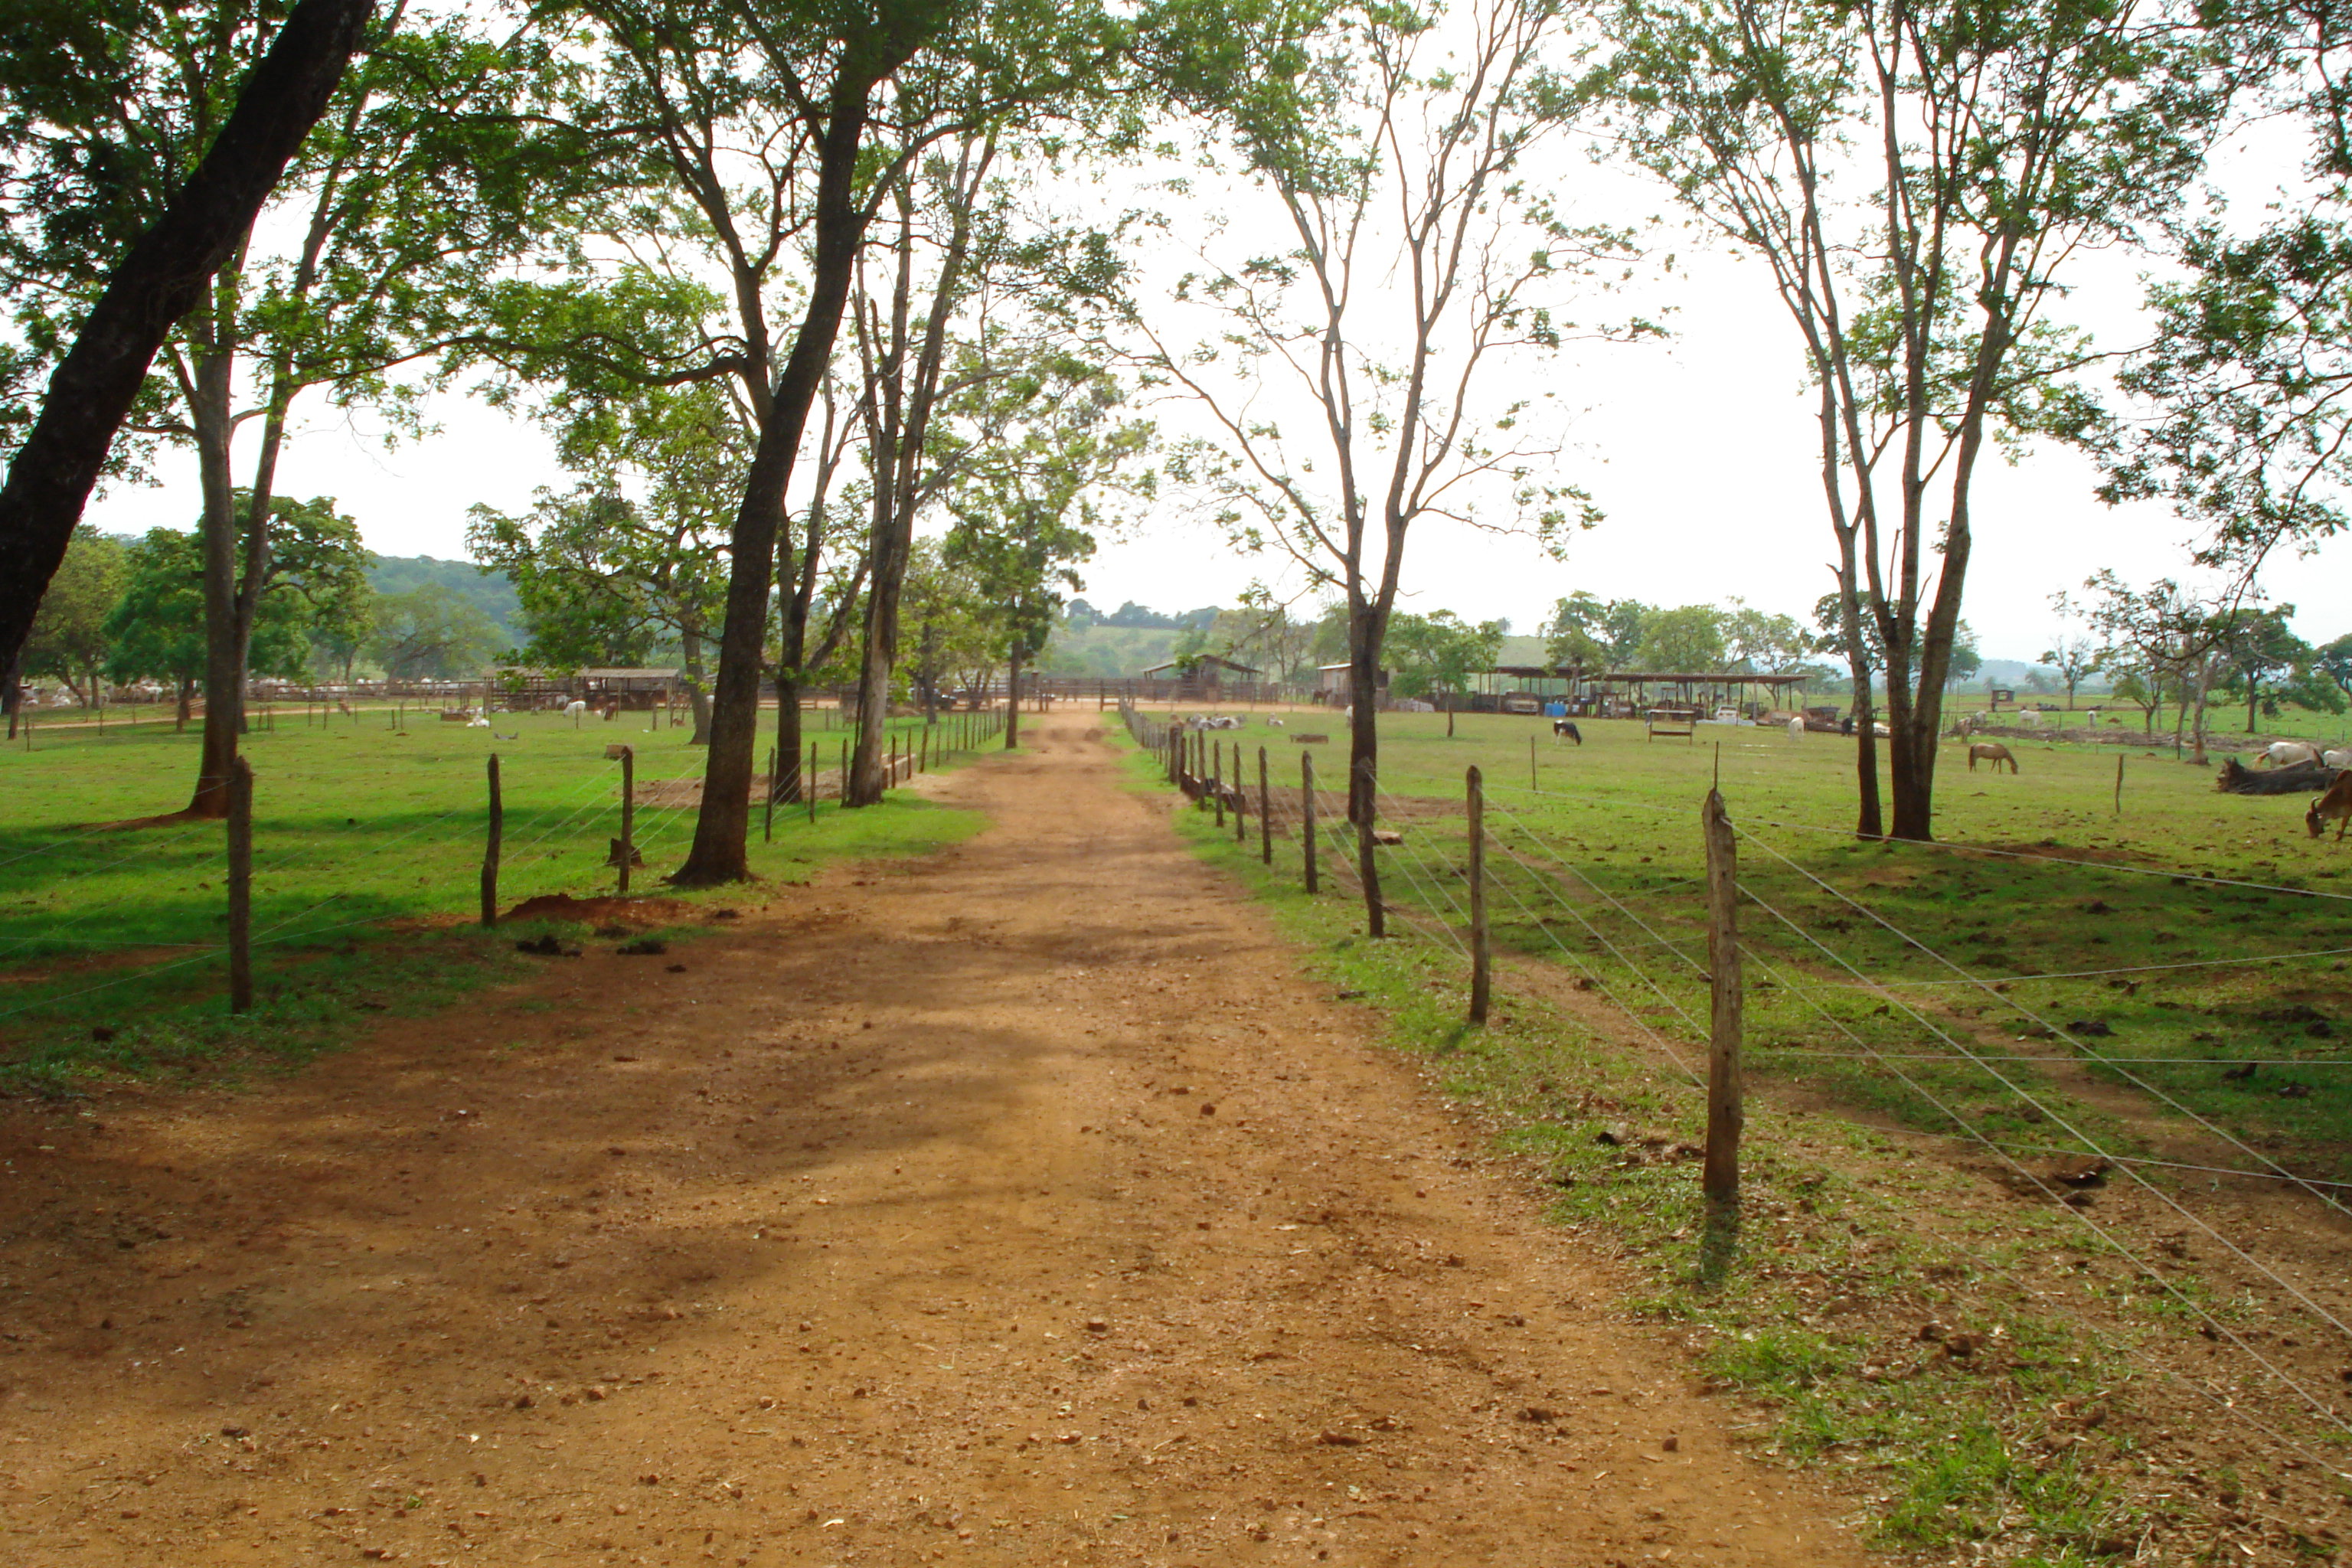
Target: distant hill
column 490, row 592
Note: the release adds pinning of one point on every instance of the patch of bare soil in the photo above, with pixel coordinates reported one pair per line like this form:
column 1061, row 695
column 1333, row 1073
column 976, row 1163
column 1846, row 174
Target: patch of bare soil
column 640, row 912
column 1017, row 1205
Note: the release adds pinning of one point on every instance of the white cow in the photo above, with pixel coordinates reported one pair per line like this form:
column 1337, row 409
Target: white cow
column 1796, row 729
column 574, row 709
column 478, row 722
column 2028, row 717
column 2287, row 753
column 2342, row 759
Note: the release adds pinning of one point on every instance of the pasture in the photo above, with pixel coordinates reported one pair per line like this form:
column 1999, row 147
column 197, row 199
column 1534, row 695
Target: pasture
column 2192, row 946
column 368, row 842
column 2017, row 1232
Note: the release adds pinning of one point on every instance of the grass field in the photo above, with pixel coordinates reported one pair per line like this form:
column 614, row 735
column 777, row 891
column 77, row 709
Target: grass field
column 1861, row 1246
column 2181, row 939
column 368, row 843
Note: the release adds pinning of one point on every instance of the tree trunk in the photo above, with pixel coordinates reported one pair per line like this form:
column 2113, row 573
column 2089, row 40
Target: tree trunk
column 722, row 827
column 223, row 649
column 181, row 714
column 697, row 699
column 1013, row 699
column 787, row 785
column 12, row 688
column 1364, row 757
column 158, row 281
column 885, row 558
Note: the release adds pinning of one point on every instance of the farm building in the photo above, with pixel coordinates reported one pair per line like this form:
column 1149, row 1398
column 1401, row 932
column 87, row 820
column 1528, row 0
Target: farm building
column 1208, row 669
column 1331, row 685
column 638, row 689
column 1631, row 693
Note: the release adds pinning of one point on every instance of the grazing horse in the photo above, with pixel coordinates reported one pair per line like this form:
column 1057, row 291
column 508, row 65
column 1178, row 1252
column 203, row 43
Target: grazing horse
column 2336, row 802
column 1567, row 727
column 1993, row 752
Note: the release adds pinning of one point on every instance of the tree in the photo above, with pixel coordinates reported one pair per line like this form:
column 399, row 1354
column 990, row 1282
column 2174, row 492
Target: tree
column 1965, row 659
column 2256, row 644
column 156, row 631
column 1439, row 653
column 2332, row 660
column 1584, row 631
column 1769, row 644
column 1687, row 638
column 1026, row 508
column 1983, row 149
column 1263, row 632
column 1419, row 255
column 2157, row 636
column 2072, row 658
column 69, row 636
column 594, row 566
column 429, row 633
column 840, row 105
column 427, row 170
column 149, row 274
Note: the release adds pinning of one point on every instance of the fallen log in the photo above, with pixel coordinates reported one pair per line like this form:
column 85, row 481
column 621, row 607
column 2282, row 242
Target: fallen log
column 2302, row 778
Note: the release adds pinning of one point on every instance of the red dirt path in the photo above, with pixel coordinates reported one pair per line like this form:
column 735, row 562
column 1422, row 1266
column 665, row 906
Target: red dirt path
column 1015, row 1205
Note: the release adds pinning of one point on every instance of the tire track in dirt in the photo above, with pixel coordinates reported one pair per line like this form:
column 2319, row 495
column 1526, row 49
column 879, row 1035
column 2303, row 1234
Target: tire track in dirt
column 1020, row 1205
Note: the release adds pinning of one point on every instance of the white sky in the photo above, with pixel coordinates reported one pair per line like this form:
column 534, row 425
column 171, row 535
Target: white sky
column 1701, row 449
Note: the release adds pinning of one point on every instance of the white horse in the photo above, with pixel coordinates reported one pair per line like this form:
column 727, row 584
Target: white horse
column 574, row 709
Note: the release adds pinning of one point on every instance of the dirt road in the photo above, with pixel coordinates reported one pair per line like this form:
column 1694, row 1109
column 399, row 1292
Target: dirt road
column 1018, row 1206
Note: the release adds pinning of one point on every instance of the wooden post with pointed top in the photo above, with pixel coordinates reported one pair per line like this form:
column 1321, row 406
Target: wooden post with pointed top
column 1265, row 814
column 240, row 886
column 628, row 850
column 1726, row 1111
column 1481, row 957
column 1307, row 813
column 490, row 847
column 808, row 785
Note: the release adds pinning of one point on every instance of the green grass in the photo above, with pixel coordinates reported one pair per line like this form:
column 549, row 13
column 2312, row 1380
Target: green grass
column 367, row 849
column 1597, row 863
column 1833, row 1306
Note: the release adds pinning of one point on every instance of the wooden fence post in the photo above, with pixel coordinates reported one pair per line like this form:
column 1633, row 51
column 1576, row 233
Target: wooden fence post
column 844, row 795
column 2120, row 783
column 1265, row 814
column 1533, row 783
column 1725, row 1109
column 628, row 814
column 1481, row 958
column 1241, row 798
column 775, row 777
column 808, row 785
column 490, row 847
column 240, row 886
column 1307, row 813
column 1217, row 780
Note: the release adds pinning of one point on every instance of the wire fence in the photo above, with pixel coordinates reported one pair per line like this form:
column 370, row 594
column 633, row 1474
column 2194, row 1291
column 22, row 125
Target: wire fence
column 1830, row 959
column 118, row 919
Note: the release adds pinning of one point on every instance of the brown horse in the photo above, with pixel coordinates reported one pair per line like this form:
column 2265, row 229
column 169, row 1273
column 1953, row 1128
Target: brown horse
column 1991, row 751
column 2336, row 802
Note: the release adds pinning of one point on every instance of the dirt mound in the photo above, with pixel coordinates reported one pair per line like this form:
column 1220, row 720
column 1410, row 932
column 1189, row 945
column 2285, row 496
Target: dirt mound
column 606, row 911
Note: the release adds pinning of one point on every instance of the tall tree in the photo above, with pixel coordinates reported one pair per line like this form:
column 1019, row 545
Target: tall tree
column 428, row 169
column 1027, row 508
column 1982, row 148
column 660, row 558
column 1419, row 255
column 56, row 65
column 841, row 104
column 69, row 638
